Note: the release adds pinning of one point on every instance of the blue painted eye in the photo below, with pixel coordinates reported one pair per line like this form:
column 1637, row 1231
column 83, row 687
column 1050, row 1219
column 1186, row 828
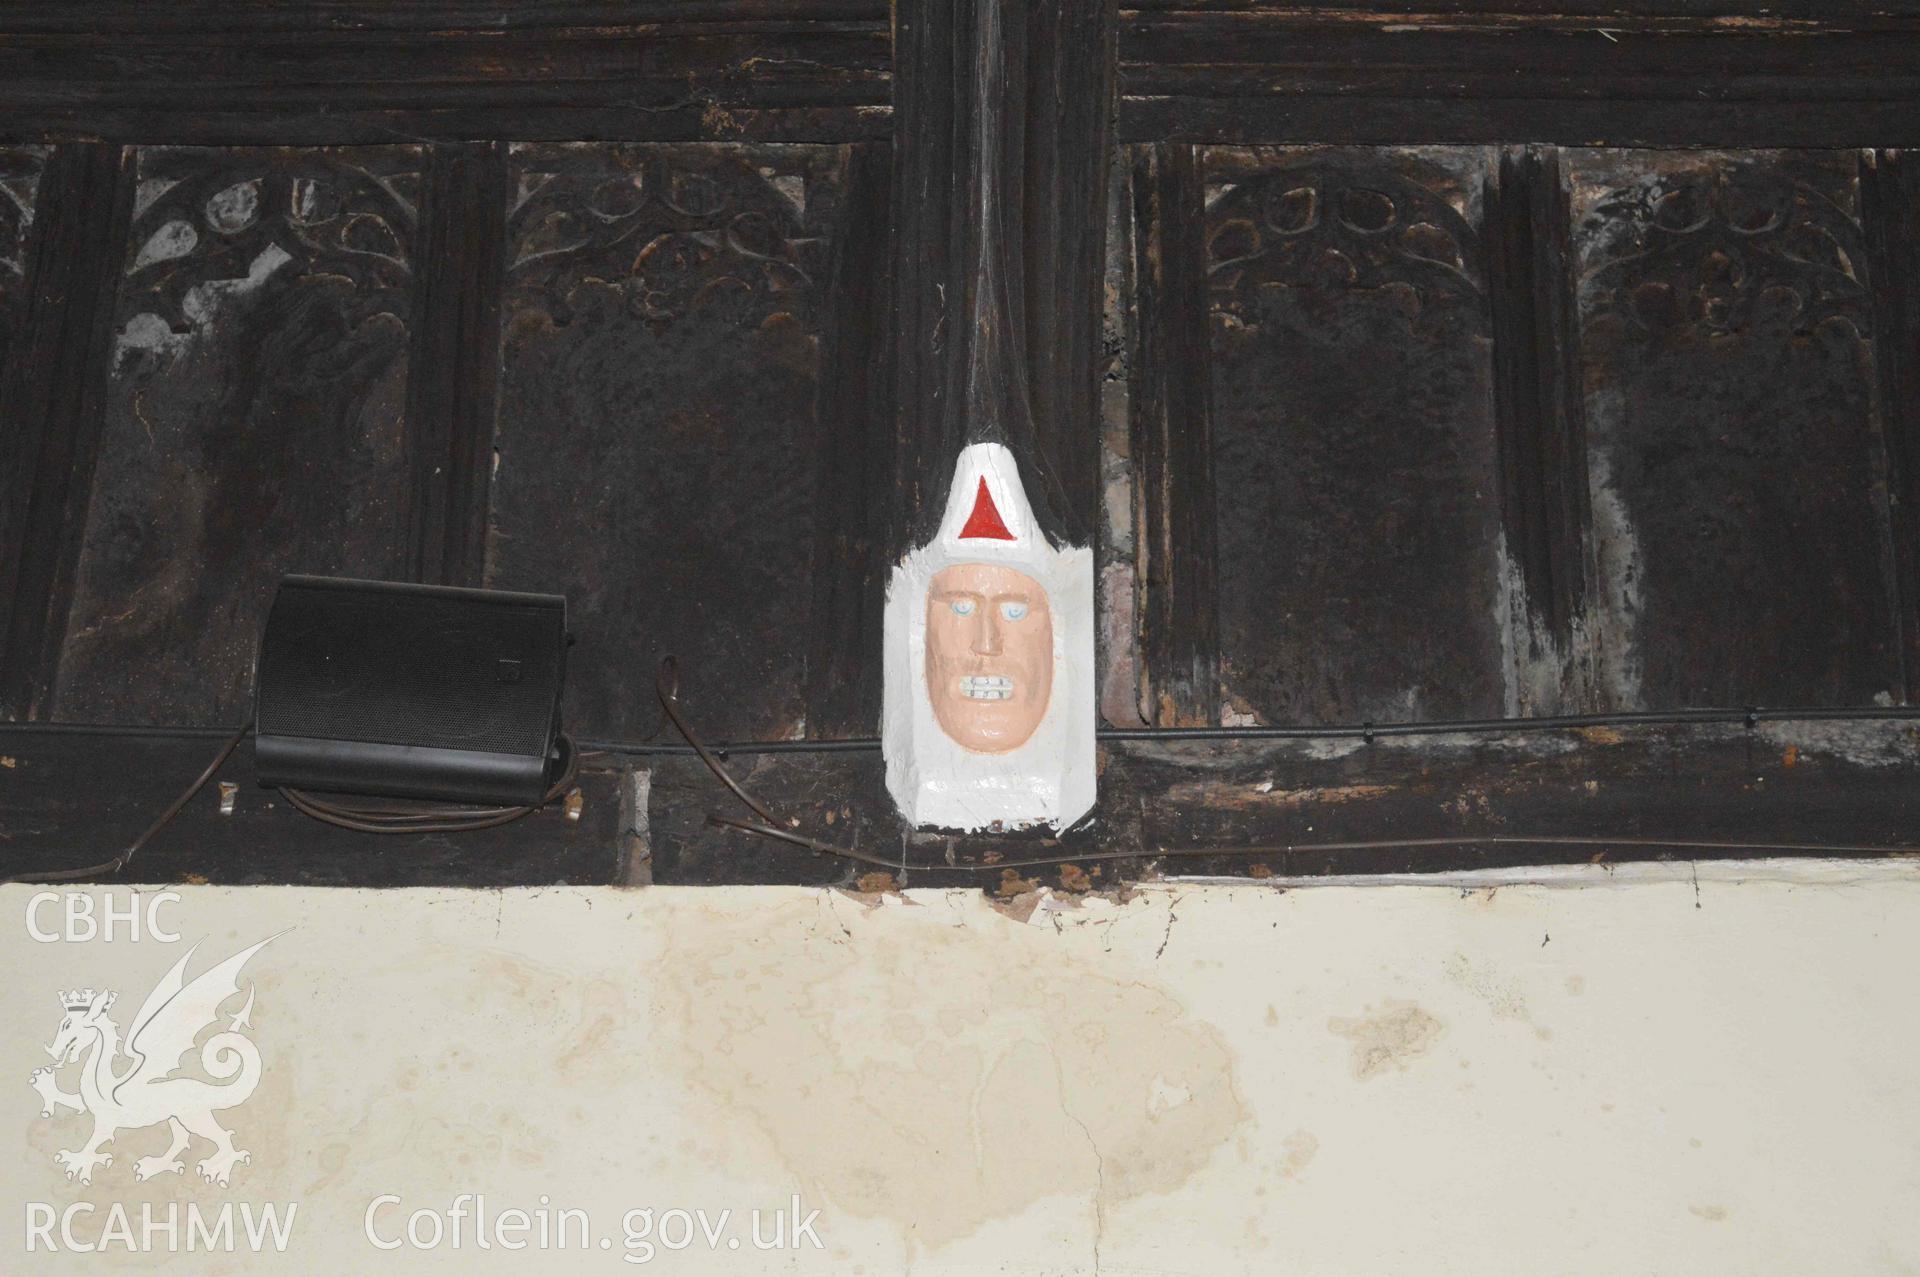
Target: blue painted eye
column 963, row 607
column 1013, row 611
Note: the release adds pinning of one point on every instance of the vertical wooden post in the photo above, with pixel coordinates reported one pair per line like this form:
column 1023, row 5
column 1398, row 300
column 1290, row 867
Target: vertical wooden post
column 1002, row 114
column 1539, row 416
column 1172, row 440
column 51, row 399
column 1890, row 207
column 1068, row 150
column 1002, row 127
column 453, row 372
column 855, row 471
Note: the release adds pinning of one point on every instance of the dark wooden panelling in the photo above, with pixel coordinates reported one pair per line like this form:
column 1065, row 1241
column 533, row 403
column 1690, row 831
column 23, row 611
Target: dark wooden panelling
column 1268, row 806
column 453, row 372
column 1172, row 440
column 1539, row 413
column 20, row 169
column 687, row 849
column 51, row 395
column 935, row 49
column 1890, row 204
column 230, row 17
column 1786, row 782
column 852, row 558
column 1063, row 194
column 1356, row 485
column 1279, row 73
column 1737, row 465
column 73, row 799
column 19, row 183
column 254, row 418
column 1777, row 15
column 658, row 437
column 740, row 75
column 999, row 193
column 1391, row 119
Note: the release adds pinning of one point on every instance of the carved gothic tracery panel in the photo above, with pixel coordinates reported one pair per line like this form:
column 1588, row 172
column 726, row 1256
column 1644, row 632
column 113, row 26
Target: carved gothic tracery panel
column 1355, row 492
column 1735, row 458
column 1343, row 221
column 657, row 438
column 254, row 417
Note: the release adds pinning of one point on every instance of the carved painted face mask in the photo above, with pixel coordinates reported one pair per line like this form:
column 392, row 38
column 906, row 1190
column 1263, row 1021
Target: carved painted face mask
column 989, row 708
column 989, row 655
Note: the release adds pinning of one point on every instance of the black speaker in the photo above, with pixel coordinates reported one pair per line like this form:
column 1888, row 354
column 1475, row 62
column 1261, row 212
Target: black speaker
column 410, row 691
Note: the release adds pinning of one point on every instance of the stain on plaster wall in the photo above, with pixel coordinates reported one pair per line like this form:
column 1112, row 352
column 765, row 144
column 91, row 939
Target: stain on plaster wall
column 944, row 1076
column 1387, row 1038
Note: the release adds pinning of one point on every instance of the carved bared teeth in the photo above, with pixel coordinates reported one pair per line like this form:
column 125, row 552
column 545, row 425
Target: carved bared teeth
column 986, row 687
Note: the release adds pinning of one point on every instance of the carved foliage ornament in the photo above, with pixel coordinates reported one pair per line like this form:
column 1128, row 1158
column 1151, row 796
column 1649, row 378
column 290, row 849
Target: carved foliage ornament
column 674, row 230
column 204, row 234
column 1727, row 249
column 1330, row 227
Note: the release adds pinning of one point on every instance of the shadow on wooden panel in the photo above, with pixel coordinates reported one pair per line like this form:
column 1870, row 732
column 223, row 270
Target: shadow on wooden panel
column 1356, row 479
column 254, row 418
column 1736, row 459
column 657, row 438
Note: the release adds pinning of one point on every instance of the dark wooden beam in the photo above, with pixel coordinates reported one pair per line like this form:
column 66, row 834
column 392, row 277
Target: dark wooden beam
column 453, row 369
column 1538, row 413
column 1409, row 75
column 1248, row 808
column 78, row 798
column 229, row 17
column 1264, row 808
column 1890, row 211
column 1172, row 439
column 739, row 76
column 51, row 398
column 1776, row 15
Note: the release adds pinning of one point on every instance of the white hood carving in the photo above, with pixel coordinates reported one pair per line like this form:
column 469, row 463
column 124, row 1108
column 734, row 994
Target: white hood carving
column 1048, row 780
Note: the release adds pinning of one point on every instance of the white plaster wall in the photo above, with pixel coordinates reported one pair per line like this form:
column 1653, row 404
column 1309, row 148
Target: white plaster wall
column 1590, row 1073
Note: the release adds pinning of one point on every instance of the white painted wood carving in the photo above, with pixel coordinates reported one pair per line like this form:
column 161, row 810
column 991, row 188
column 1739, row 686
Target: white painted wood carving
column 989, row 710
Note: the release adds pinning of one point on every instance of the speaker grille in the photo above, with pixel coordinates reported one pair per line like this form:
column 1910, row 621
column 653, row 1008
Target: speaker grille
column 419, row 666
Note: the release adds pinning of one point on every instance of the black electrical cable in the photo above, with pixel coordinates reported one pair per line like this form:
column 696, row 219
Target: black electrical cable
column 1750, row 717
column 1280, row 849
column 666, row 686
column 429, row 819
column 450, row 819
column 119, row 862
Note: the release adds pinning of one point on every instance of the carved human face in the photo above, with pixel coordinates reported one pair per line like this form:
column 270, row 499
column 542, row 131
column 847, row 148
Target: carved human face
column 989, row 655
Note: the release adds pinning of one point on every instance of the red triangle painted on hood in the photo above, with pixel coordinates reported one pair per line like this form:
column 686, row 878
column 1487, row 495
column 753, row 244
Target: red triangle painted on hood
column 985, row 523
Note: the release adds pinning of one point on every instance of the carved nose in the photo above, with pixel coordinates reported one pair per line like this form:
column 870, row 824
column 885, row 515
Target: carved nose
column 986, row 635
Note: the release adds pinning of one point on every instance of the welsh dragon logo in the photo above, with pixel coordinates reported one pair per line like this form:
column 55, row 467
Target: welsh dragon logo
column 145, row 1092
